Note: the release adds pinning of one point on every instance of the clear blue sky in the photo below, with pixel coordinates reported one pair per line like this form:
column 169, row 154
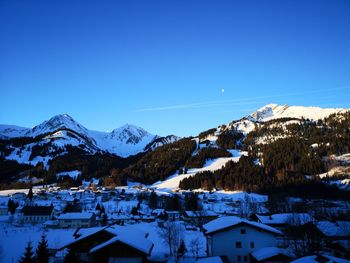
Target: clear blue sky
column 163, row 65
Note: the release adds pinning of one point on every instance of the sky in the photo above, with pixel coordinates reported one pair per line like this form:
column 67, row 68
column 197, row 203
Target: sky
column 171, row 67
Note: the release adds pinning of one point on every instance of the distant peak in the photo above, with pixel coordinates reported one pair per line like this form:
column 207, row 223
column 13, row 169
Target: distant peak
column 275, row 111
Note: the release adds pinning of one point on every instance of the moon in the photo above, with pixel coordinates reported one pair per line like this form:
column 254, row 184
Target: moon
column 222, row 90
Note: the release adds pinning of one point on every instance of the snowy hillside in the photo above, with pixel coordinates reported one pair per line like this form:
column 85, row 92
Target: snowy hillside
column 173, row 181
column 274, row 111
column 12, row 131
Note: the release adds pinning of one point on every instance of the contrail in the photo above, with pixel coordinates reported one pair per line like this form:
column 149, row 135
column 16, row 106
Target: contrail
column 233, row 102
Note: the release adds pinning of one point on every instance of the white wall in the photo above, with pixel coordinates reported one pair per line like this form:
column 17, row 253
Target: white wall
column 223, row 243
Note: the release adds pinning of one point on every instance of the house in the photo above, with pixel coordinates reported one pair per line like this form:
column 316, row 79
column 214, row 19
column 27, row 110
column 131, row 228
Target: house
column 111, row 244
column 283, row 220
column 271, row 254
column 235, row 238
column 37, row 214
column 125, row 247
column 76, row 220
column 199, row 217
column 173, row 215
column 338, row 230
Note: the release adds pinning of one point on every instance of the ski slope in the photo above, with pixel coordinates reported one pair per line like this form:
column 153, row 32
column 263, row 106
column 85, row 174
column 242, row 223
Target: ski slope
column 172, row 182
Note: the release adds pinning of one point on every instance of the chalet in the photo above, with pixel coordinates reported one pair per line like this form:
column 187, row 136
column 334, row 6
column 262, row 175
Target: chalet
column 235, row 238
column 76, row 220
column 271, row 254
column 338, row 230
column 37, row 214
column 125, row 247
column 111, row 244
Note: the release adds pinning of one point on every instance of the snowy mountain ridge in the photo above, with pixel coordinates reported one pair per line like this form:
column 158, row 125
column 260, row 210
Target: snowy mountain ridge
column 64, row 130
column 275, row 111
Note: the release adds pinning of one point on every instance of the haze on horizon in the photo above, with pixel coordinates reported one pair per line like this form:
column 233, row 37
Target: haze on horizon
column 171, row 67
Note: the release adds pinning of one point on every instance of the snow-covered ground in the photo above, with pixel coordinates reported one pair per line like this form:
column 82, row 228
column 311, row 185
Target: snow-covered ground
column 13, row 240
column 172, row 182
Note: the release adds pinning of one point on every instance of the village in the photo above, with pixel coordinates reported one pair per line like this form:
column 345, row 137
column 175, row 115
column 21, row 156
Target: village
column 139, row 224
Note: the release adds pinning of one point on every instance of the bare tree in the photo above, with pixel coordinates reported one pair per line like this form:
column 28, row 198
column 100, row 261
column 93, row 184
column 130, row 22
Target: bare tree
column 195, row 246
column 172, row 234
column 247, row 206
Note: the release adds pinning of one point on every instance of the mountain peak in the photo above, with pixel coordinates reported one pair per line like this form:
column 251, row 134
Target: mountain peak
column 57, row 122
column 130, row 134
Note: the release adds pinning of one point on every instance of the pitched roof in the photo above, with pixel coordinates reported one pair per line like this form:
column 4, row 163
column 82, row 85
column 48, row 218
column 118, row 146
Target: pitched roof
column 268, row 252
column 285, row 218
column 320, row 259
column 334, row 229
column 37, row 210
column 83, row 215
column 231, row 221
column 129, row 236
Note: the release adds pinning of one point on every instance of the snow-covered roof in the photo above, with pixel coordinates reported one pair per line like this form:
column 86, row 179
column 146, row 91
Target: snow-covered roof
column 334, row 229
column 268, row 252
column 84, row 232
column 77, row 216
column 210, row 260
column 320, row 258
column 286, row 218
column 130, row 238
column 231, row 221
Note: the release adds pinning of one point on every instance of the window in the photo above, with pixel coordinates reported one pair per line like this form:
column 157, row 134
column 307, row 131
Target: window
column 251, row 244
column 239, row 258
column 243, row 231
column 245, row 259
column 238, row 244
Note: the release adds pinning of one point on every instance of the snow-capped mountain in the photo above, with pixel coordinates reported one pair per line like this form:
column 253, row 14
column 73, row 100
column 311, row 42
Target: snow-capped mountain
column 62, row 130
column 58, row 122
column 275, row 111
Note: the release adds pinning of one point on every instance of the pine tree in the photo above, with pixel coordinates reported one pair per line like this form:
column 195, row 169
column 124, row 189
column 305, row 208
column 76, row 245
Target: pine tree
column 42, row 253
column 153, row 200
column 104, row 220
column 71, row 257
column 12, row 206
column 134, row 211
column 28, row 254
column 30, row 193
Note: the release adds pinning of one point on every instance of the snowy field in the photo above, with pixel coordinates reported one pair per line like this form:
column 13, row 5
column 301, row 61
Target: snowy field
column 13, row 240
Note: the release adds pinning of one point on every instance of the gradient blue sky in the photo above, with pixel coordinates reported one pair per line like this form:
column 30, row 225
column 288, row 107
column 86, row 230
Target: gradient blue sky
column 163, row 64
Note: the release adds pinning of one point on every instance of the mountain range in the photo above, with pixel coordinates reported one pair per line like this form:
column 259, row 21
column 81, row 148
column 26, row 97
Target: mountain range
column 62, row 130
column 61, row 144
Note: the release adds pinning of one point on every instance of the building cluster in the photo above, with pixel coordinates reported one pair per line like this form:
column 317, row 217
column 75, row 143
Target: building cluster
column 111, row 234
